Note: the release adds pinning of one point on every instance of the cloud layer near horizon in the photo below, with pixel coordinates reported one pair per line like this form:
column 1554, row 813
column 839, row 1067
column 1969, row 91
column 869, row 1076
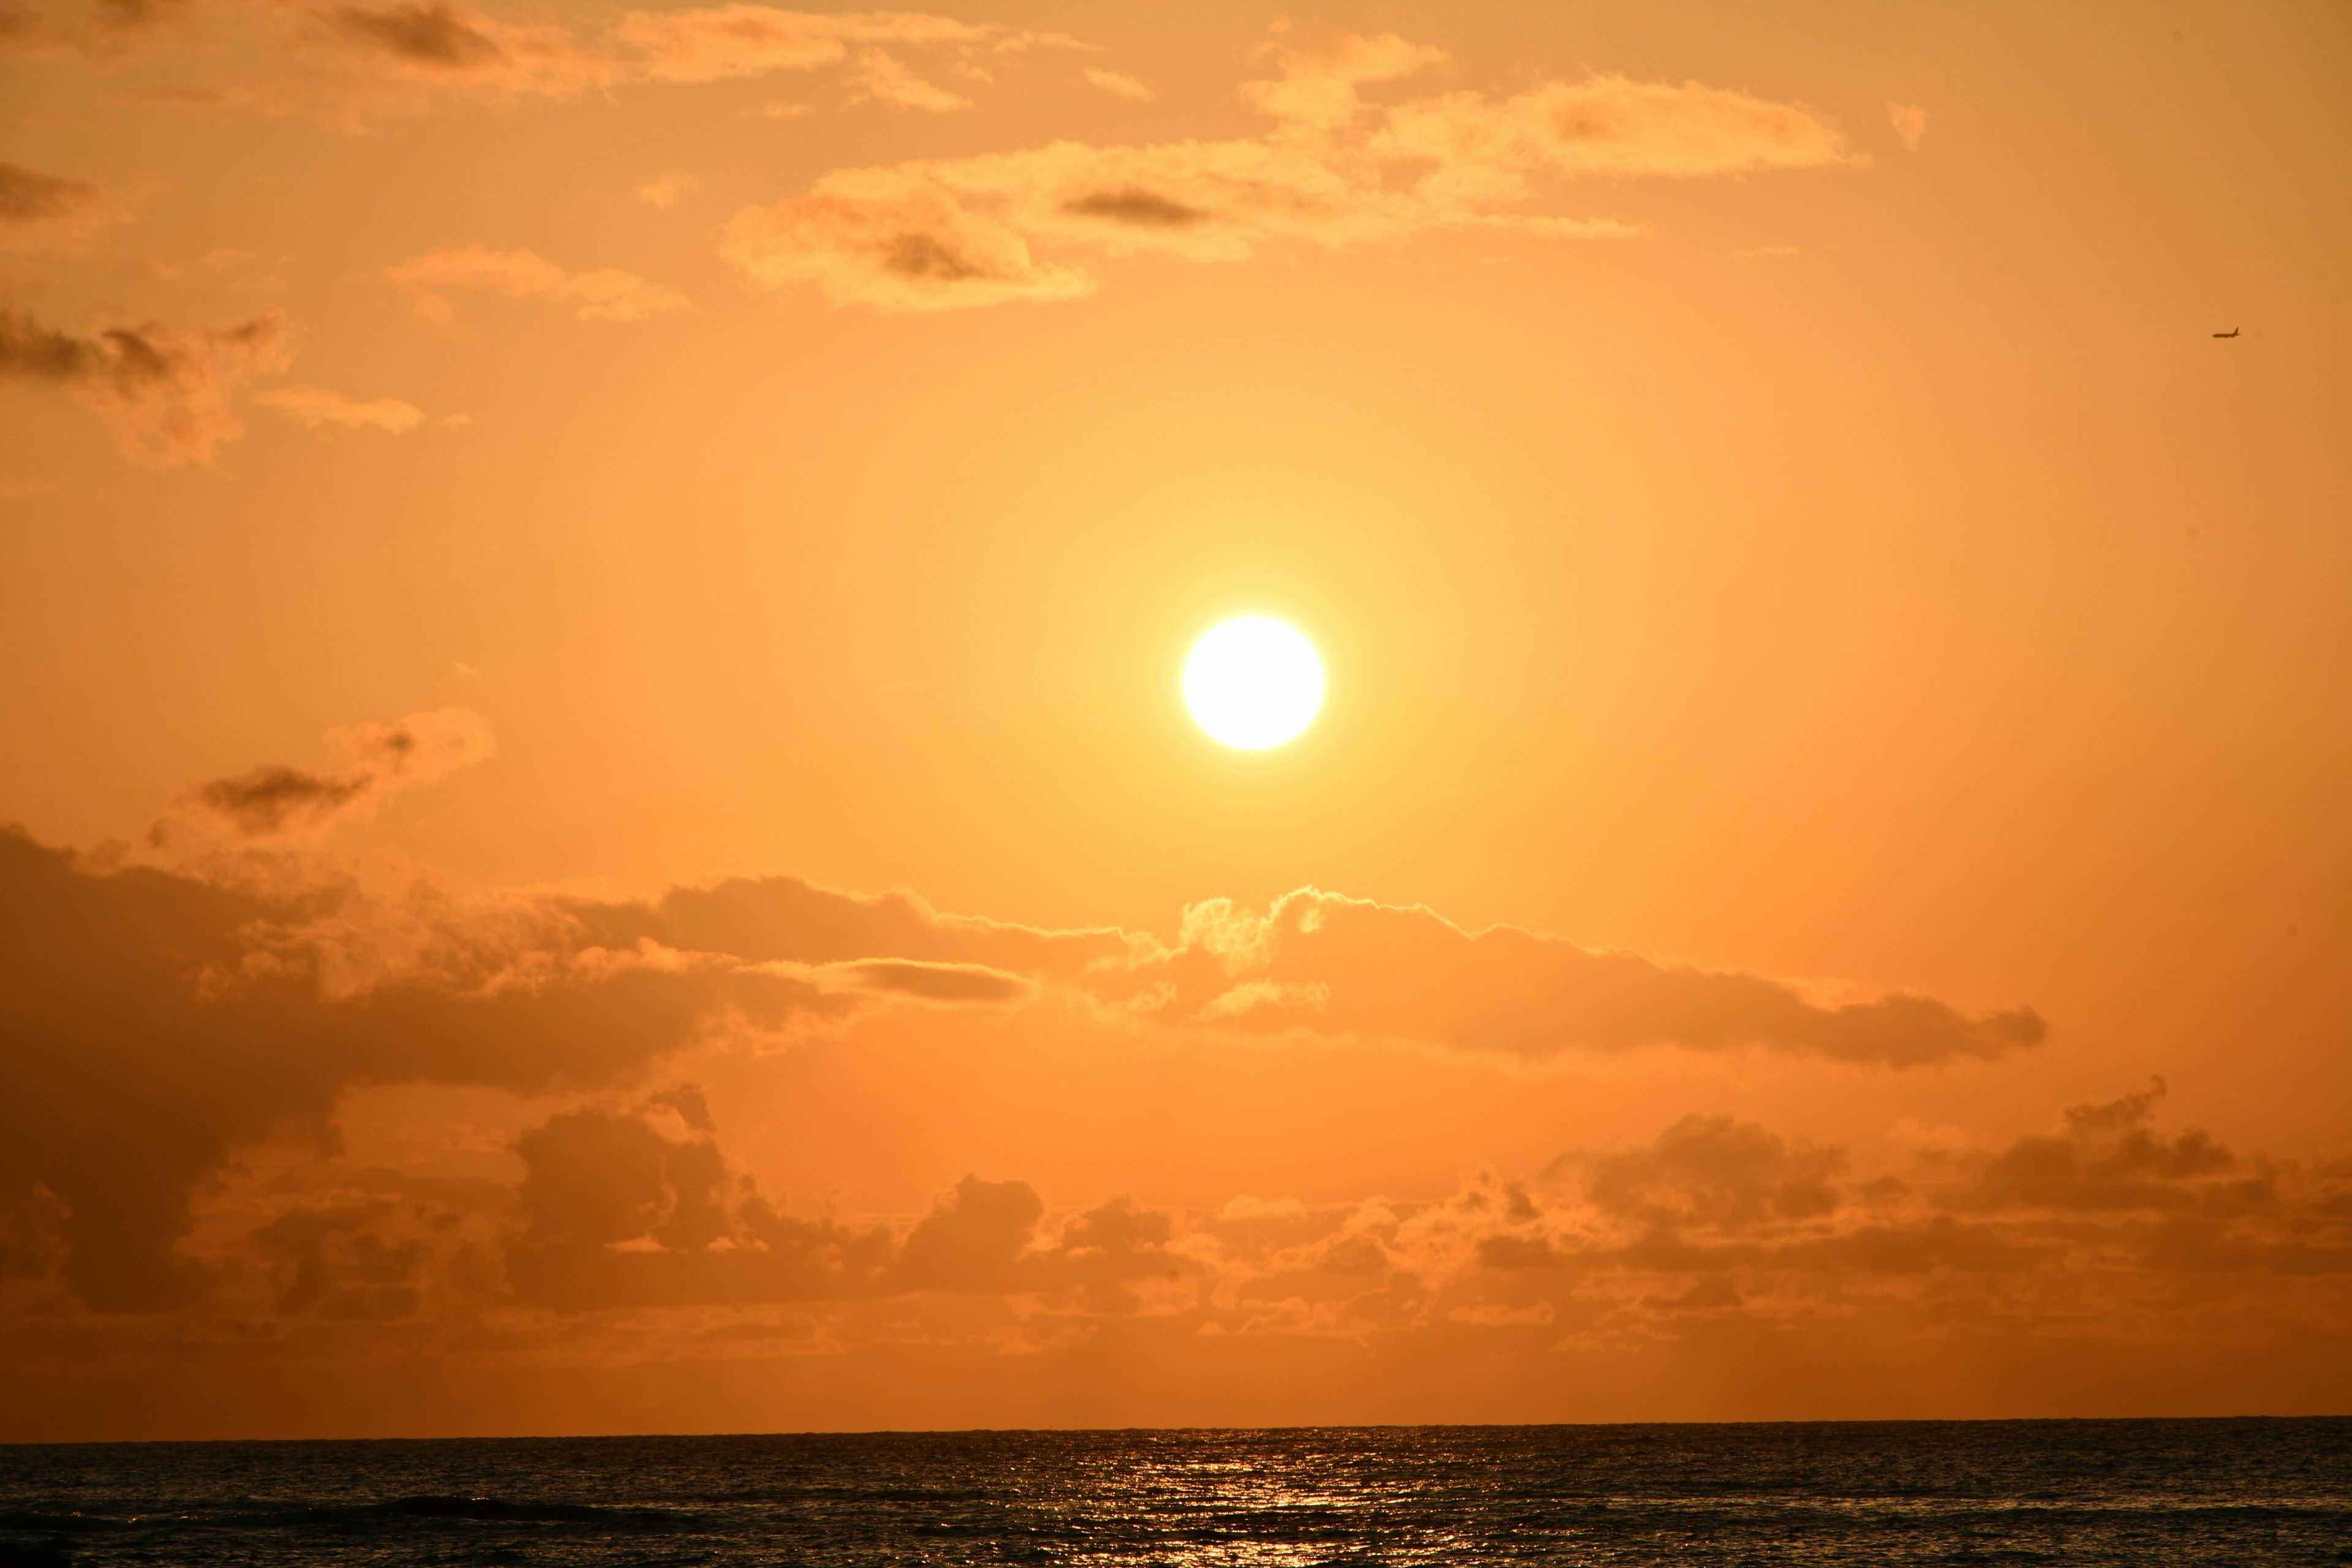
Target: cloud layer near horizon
column 234, row 986
column 629, row 1217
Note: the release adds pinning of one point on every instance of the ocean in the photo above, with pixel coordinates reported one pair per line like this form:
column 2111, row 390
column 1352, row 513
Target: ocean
column 2076, row 1492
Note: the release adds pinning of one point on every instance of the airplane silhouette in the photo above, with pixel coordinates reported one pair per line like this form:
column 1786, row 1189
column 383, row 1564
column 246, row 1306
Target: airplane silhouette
column 2230, row 334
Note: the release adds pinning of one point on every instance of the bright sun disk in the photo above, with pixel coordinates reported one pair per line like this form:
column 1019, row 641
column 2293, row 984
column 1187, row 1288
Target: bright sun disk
column 1253, row 682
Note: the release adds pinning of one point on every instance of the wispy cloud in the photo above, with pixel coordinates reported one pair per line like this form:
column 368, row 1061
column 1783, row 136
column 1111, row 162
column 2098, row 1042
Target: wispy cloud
column 605, row 294
column 668, row 190
column 1118, row 84
column 880, row 77
column 316, row 407
column 1910, row 123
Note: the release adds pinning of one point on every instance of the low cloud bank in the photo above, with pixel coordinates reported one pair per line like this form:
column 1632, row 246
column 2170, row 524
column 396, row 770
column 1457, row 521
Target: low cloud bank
column 239, row 977
column 630, row 1215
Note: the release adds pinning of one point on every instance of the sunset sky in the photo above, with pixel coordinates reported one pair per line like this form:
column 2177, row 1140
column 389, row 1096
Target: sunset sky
column 607, row 837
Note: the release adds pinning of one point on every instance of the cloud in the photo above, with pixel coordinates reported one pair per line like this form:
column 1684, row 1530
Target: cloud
column 1715, row 1171
column 166, row 1015
column 2108, row 1159
column 165, row 392
column 1334, row 169
column 41, row 211
column 1910, row 123
column 234, row 978
column 618, row 1212
column 938, row 982
column 315, row 406
column 350, row 60
column 877, row 237
column 158, row 1021
column 882, row 77
column 973, row 1241
column 666, row 192
column 373, row 762
column 1322, row 963
column 607, row 295
column 1118, row 84
column 724, row 41
column 438, row 46
column 103, row 29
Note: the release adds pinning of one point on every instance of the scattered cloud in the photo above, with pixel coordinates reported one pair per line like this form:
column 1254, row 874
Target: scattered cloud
column 166, row 393
column 315, row 406
column 351, row 61
column 1334, row 169
column 605, row 294
column 1910, row 123
column 668, row 190
column 1118, row 84
column 724, row 41
column 881, row 77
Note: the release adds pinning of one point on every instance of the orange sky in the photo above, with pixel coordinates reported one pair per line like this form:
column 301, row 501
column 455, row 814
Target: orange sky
column 608, row 839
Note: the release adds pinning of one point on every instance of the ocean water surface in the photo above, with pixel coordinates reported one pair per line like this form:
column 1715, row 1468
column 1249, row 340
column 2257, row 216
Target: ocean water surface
column 2088, row 1492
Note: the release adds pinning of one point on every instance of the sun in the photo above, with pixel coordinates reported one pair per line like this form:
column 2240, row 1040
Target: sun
column 1253, row 682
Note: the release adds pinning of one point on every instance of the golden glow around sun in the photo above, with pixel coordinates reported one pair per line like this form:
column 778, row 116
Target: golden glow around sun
column 1253, row 682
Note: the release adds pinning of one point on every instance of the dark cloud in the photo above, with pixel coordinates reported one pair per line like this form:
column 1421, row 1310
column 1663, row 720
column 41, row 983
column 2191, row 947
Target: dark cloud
column 265, row 799
column 374, row 762
column 2106, row 1197
column 31, row 352
column 29, row 196
column 942, row 982
column 436, row 34
column 1716, row 1172
column 2109, row 1158
column 157, row 1022
column 162, row 1018
column 973, row 1239
column 1145, row 209
column 1318, row 961
column 617, row 1212
column 347, row 1259
column 933, row 259
column 165, row 392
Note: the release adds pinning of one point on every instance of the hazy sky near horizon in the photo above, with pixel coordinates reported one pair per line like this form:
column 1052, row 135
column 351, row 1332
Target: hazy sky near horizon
column 607, row 837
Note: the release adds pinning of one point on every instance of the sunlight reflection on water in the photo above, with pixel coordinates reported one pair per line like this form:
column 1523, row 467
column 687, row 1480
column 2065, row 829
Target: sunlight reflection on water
column 2082, row 1492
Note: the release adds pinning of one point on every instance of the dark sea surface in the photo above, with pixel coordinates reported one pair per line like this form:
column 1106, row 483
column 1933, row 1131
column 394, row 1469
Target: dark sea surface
column 2138, row 1492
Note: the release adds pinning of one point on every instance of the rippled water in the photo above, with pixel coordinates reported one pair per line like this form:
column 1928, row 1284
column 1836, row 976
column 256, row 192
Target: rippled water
column 2138, row 1492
